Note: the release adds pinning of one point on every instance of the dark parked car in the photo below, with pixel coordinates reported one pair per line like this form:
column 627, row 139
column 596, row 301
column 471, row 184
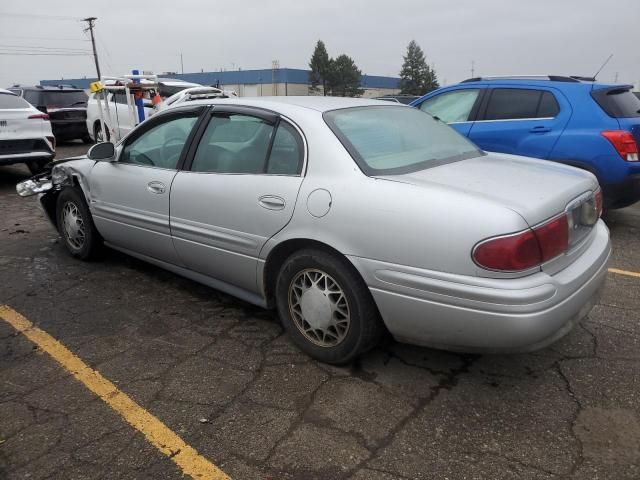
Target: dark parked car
column 66, row 106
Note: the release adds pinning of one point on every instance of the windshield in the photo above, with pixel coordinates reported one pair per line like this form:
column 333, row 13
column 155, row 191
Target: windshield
column 395, row 140
column 63, row 98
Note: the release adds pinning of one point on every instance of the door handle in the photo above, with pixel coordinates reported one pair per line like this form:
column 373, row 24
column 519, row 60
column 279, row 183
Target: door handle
column 540, row 129
column 156, row 187
column 271, row 202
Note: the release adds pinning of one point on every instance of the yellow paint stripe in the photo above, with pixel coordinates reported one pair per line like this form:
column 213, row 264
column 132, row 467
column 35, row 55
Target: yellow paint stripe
column 156, row 432
column 624, row 272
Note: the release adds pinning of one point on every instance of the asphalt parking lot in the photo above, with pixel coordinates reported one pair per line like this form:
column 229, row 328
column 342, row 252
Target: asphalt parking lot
column 221, row 375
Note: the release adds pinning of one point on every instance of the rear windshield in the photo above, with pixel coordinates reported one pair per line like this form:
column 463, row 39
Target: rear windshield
column 394, row 140
column 9, row 100
column 62, row 98
column 618, row 102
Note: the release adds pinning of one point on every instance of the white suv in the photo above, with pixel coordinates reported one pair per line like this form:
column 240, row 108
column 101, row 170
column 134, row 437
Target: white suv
column 25, row 133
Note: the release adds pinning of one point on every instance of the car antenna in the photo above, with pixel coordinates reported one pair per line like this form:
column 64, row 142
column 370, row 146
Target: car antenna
column 603, row 65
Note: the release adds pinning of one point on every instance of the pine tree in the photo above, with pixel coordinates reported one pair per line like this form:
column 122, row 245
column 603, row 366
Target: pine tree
column 345, row 77
column 320, row 65
column 416, row 77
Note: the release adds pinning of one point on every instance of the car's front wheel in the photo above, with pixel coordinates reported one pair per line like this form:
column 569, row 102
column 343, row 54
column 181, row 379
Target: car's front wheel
column 326, row 307
column 75, row 225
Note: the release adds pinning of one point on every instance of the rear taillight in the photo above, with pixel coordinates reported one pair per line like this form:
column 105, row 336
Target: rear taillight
column 624, row 143
column 41, row 116
column 599, row 202
column 524, row 250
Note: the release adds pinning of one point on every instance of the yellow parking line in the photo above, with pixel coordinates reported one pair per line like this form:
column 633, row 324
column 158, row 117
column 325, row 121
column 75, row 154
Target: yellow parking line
column 624, row 272
column 156, row 432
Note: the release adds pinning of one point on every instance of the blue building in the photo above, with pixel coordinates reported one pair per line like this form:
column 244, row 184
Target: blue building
column 266, row 82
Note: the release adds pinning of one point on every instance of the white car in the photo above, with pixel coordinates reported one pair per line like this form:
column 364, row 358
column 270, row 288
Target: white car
column 25, row 133
column 118, row 110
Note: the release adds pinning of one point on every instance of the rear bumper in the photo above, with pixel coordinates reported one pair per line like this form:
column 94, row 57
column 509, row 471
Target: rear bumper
column 463, row 313
column 25, row 150
column 69, row 129
column 619, row 195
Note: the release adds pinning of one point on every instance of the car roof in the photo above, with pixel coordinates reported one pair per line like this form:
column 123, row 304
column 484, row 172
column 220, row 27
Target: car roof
column 2, row 90
column 318, row 103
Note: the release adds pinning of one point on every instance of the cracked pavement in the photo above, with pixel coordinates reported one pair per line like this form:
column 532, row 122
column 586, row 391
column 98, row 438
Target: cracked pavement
column 222, row 375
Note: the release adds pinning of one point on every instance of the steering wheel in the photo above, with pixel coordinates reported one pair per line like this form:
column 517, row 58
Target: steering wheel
column 142, row 159
column 168, row 156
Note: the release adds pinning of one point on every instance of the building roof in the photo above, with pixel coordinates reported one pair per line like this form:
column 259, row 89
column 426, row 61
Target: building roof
column 235, row 77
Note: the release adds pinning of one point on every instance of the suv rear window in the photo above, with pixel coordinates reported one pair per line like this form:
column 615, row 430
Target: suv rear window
column 516, row 103
column 395, row 140
column 55, row 98
column 617, row 102
column 8, row 100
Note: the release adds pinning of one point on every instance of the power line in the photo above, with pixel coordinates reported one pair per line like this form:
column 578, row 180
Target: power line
column 65, row 39
column 43, row 16
column 37, row 47
column 47, row 53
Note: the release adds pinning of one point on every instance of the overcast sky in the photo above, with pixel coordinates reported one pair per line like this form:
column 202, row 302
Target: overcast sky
column 500, row 36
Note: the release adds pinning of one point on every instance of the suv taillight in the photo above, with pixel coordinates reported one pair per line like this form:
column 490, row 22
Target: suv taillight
column 524, row 250
column 624, row 143
column 41, row 116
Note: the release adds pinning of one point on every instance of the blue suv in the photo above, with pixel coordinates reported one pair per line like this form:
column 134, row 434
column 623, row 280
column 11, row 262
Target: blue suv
column 571, row 120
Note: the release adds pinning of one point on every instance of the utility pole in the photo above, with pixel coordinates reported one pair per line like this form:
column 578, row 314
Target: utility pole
column 181, row 63
column 473, row 64
column 90, row 21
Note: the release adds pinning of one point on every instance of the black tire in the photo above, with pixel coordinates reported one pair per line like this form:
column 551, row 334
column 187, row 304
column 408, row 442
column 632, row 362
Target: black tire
column 91, row 245
column 365, row 326
column 87, row 140
column 36, row 166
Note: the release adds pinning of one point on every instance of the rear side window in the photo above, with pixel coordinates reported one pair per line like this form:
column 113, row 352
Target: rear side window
column 548, row 107
column 618, row 102
column 515, row 103
column 9, row 100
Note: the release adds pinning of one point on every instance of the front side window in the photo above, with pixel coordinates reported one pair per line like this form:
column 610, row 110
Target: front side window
column 161, row 145
column 451, row 106
column 395, row 140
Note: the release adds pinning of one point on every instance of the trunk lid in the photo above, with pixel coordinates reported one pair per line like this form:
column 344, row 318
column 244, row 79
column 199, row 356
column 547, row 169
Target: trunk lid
column 535, row 189
column 15, row 123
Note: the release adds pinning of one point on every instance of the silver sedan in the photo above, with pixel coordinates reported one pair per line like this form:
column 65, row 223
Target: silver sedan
column 352, row 217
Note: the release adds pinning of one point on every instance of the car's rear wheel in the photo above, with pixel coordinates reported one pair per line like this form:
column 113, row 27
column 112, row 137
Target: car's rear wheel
column 86, row 139
column 326, row 307
column 98, row 135
column 75, row 225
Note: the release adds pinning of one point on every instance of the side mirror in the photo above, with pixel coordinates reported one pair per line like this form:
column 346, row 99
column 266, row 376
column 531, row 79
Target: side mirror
column 102, row 151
